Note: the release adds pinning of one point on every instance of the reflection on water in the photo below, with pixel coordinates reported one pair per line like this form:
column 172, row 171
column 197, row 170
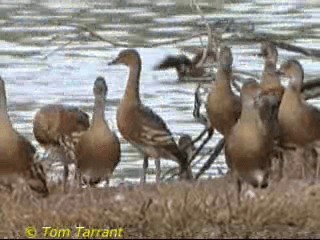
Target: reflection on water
column 32, row 29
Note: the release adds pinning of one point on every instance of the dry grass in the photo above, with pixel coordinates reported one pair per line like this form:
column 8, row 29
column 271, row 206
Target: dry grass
column 204, row 209
column 290, row 208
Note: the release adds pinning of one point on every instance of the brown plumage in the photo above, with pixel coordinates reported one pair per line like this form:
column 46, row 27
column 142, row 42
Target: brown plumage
column 17, row 154
column 185, row 144
column 270, row 81
column 299, row 122
column 142, row 127
column 58, row 127
column 248, row 149
column 98, row 151
column 224, row 106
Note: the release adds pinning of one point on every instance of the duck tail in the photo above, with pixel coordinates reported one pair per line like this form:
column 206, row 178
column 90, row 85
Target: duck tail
column 173, row 62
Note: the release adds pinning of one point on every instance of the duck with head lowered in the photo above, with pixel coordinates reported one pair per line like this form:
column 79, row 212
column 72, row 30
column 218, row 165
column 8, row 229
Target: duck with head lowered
column 57, row 128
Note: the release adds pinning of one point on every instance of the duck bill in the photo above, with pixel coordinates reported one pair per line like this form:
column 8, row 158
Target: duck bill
column 257, row 54
column 114, row 62
column 280, row 73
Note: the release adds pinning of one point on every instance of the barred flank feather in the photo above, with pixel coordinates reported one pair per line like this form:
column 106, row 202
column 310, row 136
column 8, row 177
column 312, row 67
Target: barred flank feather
column 36, row 179
column 154, row 137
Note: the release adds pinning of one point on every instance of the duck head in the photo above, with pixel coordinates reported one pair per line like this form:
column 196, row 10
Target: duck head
column 293, row 70
column 269, row 52
column 100, row 88
column 127, row 57
column 225, row 57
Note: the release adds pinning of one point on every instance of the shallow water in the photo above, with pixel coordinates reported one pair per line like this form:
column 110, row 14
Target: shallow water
column 29, row 30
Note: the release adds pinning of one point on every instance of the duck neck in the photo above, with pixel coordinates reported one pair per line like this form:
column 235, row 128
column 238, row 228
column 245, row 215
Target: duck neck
column 248, row 112
column 98, row 110
column 296, row 82
column 132, row 88
column 269, row 66
column 4, row 117
column 223, row 78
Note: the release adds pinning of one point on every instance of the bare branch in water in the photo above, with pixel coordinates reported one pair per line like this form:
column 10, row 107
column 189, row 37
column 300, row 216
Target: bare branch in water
column 58, row 49
column 311, row 88
column 238, row 37
column 115, row 43
column 212, row 158
column 311, row 52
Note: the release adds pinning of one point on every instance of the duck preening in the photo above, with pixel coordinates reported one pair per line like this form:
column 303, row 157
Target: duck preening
column 17, row 154
column 194, row 68
column 98, row 151
column 188, row 68
column 141, row 126
column 57, row 128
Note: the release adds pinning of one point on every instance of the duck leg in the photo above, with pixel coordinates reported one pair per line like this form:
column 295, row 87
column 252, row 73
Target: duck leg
column 307, row 153
column 144, row 170
column 78, row 177
column 238, row 185
column 65, row 176
column 315, row 156
column 107, row 182
column 318, row 168
column 158, row 170
column 281, row 164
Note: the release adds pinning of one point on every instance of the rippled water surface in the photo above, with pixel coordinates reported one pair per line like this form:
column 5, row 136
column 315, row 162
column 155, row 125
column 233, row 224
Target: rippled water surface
column 30, row 30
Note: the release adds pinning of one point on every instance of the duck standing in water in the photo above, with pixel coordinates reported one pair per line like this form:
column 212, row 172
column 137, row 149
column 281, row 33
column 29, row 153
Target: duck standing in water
column 142, row 127
column 249, row 147
column 98, row 151
column 299, row 122
column 17, row 154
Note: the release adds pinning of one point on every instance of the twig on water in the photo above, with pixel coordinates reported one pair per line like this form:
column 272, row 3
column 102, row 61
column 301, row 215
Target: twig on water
column 201, row 158
column 246, row 37
column 58, row 49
